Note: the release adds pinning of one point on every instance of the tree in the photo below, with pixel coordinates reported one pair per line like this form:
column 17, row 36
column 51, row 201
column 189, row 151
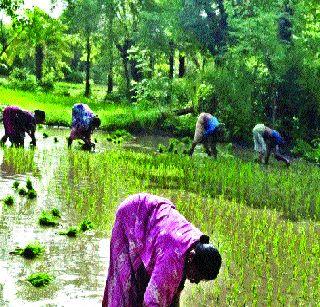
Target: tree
column 8, row 33
column 208, row 23
column 83, row 17
column 42, row 36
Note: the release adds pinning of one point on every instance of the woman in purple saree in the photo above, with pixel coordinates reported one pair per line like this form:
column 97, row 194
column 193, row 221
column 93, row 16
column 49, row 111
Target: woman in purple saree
column 153, row 250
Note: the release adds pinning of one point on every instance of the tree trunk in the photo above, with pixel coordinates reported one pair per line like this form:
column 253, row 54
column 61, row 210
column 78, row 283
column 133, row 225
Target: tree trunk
column 39, row 57
column 88, row 64
column 110, row 80
column 124, row 55
column 111, row 16
column 182, row 65
column 171, row 59
column 151, row 65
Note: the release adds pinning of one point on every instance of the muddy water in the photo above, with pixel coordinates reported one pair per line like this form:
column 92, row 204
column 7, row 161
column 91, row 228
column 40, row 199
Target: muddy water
column 79, row 265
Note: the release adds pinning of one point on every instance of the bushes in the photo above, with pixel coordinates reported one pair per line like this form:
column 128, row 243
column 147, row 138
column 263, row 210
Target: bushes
column 22, row 79
column 309, row 152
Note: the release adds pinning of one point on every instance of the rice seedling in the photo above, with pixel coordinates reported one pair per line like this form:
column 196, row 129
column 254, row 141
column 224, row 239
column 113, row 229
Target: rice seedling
column 31, row 251
column 71, row 232
column 86, row 225
column 8, row 200
column 22, row 192
column 32, row 194
column 56, row 212
column 55, row 139
column 15, row 185
column 40, row 279
column 29, row 185
column 264, row 220
column 19, row 161
column 47, row 219
column 45, row 135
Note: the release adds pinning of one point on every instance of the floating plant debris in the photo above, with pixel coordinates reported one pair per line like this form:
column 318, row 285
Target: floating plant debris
column 31, row 251
column 40, row 279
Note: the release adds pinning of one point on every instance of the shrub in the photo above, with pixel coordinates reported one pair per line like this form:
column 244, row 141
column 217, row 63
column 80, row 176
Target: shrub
column 47, row 82
column 23, row 80
column 74, row 76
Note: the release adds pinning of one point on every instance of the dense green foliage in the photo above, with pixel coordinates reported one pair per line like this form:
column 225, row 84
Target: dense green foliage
column 244, row 61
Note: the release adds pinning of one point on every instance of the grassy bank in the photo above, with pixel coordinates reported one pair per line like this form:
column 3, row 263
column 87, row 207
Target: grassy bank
column 261, row 218
column 132, row 117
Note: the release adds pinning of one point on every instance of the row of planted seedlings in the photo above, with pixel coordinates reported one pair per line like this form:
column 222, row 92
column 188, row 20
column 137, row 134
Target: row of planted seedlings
column 267, row 258
column 293, row 191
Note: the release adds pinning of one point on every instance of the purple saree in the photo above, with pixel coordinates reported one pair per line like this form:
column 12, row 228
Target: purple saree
column 148, row 233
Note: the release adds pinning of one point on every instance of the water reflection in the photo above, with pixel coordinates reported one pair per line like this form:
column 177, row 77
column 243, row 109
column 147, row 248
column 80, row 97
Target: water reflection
column 78, row 265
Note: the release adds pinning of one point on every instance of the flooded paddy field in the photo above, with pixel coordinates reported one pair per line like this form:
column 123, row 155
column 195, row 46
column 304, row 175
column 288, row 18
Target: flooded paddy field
column 265, row 221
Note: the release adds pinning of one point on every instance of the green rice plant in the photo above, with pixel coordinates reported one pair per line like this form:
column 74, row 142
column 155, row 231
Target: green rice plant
column 45, row 135
column 29, row 185
column 71, row 232
column 55, row 139
column 47, row 219
column 22, row 192
column 31, row 251
column 86, row 225
column 19, row 161
column 15, row 185
column 40, row 279
column 8, row 200
column 269, row 214
column 56, row 212
column 32, row 194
